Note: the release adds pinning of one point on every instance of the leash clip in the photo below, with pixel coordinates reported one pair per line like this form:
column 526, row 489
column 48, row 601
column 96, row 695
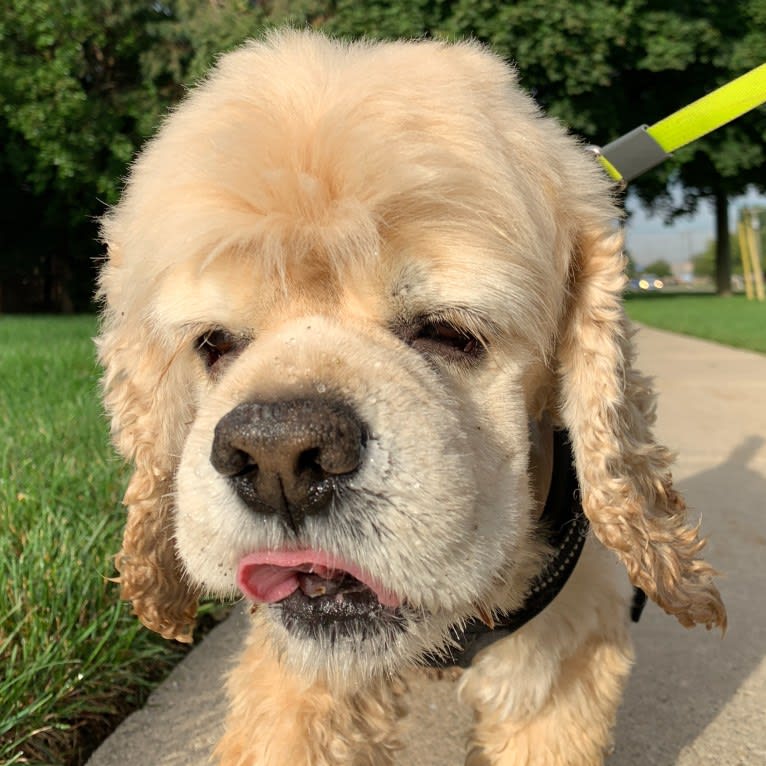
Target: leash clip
column 611, row 171
column 628, row 156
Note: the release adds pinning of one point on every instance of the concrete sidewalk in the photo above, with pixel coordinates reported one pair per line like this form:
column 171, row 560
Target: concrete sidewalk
column 693, row 699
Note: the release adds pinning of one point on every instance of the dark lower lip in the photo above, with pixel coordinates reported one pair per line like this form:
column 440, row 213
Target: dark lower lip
column 357, row 615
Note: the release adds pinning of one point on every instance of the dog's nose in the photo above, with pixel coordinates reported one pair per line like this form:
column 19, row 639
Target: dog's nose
column 288, row 457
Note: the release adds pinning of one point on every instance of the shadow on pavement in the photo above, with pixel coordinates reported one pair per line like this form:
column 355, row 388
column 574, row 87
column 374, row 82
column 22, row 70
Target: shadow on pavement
column 683, row 680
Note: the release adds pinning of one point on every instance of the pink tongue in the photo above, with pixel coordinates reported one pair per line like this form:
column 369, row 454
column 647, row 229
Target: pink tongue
column 270, row 576
column 267, row 583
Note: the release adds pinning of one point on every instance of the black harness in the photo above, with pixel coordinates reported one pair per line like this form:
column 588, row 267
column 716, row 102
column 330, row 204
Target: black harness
column 566, row 527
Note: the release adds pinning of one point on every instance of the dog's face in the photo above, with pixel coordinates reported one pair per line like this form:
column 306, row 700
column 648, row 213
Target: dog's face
column 375, row 426
column 345, row 285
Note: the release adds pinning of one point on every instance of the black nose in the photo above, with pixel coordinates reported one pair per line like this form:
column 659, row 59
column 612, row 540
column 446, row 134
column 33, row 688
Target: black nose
column 288, row 457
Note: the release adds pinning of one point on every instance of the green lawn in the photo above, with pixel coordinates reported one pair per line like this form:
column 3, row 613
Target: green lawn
column 732, row 320
column 72, row 658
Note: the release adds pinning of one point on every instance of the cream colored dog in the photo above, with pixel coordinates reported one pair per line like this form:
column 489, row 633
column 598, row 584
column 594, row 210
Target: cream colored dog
column 348, row 288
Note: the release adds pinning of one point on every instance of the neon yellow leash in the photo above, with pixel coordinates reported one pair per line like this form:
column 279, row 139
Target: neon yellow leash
column 645, row 147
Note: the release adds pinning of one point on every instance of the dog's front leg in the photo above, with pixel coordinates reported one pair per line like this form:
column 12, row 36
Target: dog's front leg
column 573, row 725
column 548, row 695
column 277, row 718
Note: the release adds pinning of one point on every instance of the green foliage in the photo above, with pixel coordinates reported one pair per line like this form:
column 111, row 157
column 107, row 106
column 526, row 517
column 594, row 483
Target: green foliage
column 703, row 263
column 382, row 20
column 631, row 269
column 660, row 268
column 84, row 82
column 689, row 50
column 71, row 115
column 70, row 92
column 191, row 35
column 569, row 55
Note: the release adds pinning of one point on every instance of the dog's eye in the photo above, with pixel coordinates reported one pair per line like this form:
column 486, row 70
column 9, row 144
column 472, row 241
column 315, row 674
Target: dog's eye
column 214, row 345
column 437, row 336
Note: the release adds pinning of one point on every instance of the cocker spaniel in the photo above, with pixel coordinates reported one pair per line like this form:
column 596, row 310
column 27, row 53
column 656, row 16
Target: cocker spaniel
column 364, row 346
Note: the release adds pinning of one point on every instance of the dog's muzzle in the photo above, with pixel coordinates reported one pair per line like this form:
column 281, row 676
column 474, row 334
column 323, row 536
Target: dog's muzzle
column 291, row 458
column 288, row 457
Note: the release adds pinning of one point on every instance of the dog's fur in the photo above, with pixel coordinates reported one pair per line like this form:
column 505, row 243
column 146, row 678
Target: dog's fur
column 318, row 200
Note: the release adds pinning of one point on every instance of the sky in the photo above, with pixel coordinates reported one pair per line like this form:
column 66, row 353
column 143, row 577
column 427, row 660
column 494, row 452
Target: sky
column 648, row 239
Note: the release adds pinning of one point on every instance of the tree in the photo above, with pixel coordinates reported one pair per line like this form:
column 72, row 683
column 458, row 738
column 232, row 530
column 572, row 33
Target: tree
column 72, row 110
column 191, row 34
column 704, row 263
column 689, row 50
column 84, row 82
column 631, row 269
column 660, row 268
column 606, row 67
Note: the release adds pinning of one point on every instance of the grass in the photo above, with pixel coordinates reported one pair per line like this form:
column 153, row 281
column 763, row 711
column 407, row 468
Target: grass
column 72, row 657
column 732, row 320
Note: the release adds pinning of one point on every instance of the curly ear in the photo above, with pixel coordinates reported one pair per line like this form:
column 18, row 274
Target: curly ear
column 143, row 411
column 609, row 409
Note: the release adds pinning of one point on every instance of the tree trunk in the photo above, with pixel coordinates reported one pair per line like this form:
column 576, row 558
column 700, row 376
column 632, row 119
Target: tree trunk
column 722, row 244
column 56, row 277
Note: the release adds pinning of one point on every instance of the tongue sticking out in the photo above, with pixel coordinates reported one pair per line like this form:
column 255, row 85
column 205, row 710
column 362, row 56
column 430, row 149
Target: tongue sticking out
column 271, row 576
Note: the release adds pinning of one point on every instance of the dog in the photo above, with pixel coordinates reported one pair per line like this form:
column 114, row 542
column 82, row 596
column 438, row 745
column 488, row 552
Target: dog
column 364, row 346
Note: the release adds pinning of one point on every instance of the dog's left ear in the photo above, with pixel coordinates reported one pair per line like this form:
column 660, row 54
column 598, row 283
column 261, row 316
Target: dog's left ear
column 609, row 409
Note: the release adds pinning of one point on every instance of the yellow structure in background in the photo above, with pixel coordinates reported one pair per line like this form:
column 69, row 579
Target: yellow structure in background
column 749, row 230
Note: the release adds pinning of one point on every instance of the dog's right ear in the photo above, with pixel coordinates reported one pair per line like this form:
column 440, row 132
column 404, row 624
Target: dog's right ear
column 143, row 410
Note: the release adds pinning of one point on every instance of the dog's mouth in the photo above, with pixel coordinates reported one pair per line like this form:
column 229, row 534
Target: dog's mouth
column 317, row 593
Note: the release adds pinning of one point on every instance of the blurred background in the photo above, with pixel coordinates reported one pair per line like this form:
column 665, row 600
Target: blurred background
column 83, row 83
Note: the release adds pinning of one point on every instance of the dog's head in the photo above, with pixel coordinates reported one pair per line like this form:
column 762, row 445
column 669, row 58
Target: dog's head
column 345, row 284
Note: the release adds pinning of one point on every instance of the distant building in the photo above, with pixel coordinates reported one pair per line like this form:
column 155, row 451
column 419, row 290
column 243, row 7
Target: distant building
column 684, row 271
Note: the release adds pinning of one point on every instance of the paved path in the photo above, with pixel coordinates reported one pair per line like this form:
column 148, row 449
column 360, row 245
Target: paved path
column 693, row 699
